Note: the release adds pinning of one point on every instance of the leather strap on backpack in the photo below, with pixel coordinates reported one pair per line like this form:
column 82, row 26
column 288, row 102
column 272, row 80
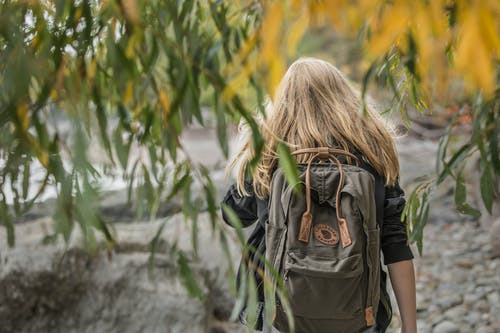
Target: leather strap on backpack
column 324, row 153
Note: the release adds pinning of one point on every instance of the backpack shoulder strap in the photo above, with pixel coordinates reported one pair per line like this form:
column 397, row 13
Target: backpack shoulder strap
column 379, row 190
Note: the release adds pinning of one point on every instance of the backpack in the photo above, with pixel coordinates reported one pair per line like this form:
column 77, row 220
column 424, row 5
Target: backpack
column 324, row 243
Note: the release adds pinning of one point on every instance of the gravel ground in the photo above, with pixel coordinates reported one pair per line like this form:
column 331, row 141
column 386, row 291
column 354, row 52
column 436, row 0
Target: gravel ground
column 458, row 278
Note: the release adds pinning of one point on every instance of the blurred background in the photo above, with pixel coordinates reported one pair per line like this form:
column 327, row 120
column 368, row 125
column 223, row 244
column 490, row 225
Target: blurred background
column 118, row 119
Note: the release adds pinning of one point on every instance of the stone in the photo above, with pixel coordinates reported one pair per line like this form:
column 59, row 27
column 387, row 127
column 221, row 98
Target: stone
column 493, row 298
column 494, row 239
column 446, row 327
column 447, row 302
column 423, row 326
column 455, row 312
column 473, row 317
column 51, row 288
column 465, row 263
column 472, row 298
column 482, row 306
column 485, row 329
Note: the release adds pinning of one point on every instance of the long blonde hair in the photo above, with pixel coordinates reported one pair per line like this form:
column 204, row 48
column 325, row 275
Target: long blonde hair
column 316, row 106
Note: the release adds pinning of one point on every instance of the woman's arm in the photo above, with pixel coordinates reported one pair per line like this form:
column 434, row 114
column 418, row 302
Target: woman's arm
column 245, row 207
column 398, row 257
column 402, row 277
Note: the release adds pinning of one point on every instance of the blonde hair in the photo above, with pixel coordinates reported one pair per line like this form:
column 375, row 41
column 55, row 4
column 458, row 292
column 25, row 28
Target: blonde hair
column 316, row 106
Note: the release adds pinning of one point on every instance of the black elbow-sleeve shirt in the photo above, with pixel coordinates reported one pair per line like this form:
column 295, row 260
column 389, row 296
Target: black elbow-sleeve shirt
column 394, row 239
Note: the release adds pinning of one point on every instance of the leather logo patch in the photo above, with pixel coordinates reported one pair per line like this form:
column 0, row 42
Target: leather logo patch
column 326, row 234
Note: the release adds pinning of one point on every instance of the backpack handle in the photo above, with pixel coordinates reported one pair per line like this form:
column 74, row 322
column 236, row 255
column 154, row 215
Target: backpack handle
column 325, row 153
column 306, row 221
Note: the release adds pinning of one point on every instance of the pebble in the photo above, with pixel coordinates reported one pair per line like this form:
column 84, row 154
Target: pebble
column 485, row 329
column 471, row 299
column 465, row 263
column 458, row 283
column 473, row 318
column 446, row 327
column 449, row 301
column 482, row 306
column 455, row 312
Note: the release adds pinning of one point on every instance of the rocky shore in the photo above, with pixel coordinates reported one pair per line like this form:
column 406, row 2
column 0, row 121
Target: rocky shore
column 60, row 288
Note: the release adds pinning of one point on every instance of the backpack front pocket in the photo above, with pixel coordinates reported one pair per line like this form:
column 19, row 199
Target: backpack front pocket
column 324, row 288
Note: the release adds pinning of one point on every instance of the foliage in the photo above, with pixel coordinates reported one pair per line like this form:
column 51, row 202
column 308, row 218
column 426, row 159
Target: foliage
column 428, row 53
column 125, row 77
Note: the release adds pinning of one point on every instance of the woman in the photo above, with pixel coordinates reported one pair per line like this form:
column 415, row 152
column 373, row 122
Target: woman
column 315, row 106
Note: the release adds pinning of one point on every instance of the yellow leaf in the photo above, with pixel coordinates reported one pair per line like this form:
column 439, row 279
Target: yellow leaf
column 473, row 58
column 22, row 114
column 247, row 47
column 489, row 29
column 442, row 75
column 129, row 91
column 242, row 55
column 338, row 12
column 132, row 42
column 165, row 104
column 43, row 157
column 92, row 69
column 35, row 41
column 270, row 30
column 317, row 12
column 438, row 18
column 131, row 10
column 296, row 32
column 421, row 31
column 240, row 80
column 389, row 28
column 78, row 13
column 296, row 5
column 276, row 72
column 53, row 94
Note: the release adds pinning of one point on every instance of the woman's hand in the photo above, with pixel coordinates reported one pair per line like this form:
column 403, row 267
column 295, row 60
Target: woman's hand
column 402, row 276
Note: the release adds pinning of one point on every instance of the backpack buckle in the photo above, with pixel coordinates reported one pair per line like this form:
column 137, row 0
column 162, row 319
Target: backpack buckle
column 323, row 153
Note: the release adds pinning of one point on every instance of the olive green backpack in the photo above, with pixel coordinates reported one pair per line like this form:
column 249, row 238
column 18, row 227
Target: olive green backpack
column 325, row 245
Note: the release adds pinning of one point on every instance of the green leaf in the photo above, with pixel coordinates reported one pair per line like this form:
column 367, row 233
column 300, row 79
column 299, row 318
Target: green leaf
column 289, row 165
column 458, row 157
column 442, row 147
column 257, row 140
column 194, row 235
column 221, row 126
column 210, row 195
column 131, row 181
column 185, row 181
column 252, row 301
column 494, row 142
column 467, row 209
column 487, row 186
column 122, row 149
column 6, row 220
column 422, row 221
column 26, row 178
column 102, row 120
column 461, row 197
column 460, row 190
column 240, row 301
column 153, row 246
column 188, row 278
